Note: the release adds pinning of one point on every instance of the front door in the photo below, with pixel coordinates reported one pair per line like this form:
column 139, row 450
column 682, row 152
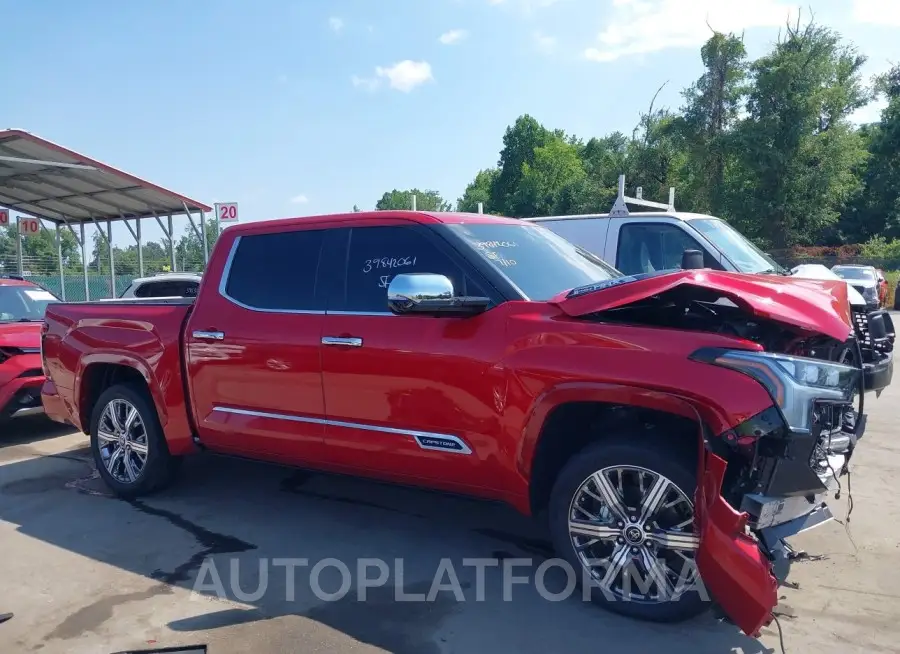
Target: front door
column 252, row 349
column 408, row 397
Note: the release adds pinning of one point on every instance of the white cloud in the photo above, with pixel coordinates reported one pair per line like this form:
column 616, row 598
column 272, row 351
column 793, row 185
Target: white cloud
column 336, row 24
column 406, row 75
column 544, row 42
column 299, row 199
column 367, row 83
column 885, row 13
column 453, row 36
column 643, row 26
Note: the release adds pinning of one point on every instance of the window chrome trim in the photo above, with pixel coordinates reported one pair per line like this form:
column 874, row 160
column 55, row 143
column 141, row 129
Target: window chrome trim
column 424, row 439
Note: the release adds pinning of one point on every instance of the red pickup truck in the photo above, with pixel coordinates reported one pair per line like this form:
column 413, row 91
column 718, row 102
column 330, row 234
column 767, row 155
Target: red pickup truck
column 661, row 422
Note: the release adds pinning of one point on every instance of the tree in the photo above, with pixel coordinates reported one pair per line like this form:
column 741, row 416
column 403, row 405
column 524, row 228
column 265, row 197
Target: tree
column 39, row 253
column 556, row 167
column 711, row 111
column 519, row 144
column 798, row 153
column 479, row 190
column 879, row 209
column 189, row 248
column 402, row 200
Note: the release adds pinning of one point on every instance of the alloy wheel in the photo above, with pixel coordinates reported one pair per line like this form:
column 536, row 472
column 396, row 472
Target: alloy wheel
column 633, row 532
column 122, row 440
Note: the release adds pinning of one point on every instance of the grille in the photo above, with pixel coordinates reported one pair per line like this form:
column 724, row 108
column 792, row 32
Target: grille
column 861, row 323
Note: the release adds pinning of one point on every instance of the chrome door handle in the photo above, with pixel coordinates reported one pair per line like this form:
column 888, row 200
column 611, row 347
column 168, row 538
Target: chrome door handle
column 209, row 336
column 337, row 340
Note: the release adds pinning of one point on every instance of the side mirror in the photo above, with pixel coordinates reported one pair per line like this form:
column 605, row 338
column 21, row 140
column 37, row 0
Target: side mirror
column 692, row 260
column 425, row 293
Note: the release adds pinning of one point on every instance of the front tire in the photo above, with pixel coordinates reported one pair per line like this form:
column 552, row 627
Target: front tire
column 128, row 443
column 622, row 515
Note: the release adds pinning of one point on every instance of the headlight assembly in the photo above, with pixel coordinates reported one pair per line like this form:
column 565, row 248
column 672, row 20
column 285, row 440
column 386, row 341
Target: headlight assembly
column 795, row 383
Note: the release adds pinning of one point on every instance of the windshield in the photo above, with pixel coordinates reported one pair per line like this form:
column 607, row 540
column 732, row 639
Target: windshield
column 742, row 253
column 854, row 273
column 24, row 303
column 540, row 263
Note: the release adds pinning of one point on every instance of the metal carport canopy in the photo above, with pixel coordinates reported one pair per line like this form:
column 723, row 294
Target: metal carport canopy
column 50, row 182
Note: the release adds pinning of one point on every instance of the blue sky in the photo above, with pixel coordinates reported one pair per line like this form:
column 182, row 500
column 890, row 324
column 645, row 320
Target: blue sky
column 305, row 107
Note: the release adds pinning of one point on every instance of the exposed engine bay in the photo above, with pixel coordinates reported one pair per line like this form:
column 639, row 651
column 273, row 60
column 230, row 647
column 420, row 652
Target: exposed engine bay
column 707, row 310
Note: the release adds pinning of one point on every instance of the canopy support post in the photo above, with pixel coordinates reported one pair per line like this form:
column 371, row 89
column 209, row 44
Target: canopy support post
column 112, row 260
column 205, row 239
column 59, row 261
column 136, row 235
column 172, row 244
column 140, row 247
column 20, row 268
column 84, row 265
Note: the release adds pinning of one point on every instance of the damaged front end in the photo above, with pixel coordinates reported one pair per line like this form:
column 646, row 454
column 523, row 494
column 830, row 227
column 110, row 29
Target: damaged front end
column 784, row 462
column 767, row 478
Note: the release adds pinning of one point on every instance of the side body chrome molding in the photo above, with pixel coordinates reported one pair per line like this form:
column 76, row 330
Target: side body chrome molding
column 425, row 440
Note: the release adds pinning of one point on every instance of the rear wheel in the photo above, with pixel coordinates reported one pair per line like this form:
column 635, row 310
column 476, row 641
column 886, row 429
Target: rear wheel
column 622, row 515
column 128, row 444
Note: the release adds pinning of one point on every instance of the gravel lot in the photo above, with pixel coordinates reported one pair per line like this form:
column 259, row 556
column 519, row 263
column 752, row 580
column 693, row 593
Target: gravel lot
column 86, row 573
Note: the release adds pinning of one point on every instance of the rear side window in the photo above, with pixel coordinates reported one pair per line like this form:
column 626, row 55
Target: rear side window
column 276, row 272
column 167, row 289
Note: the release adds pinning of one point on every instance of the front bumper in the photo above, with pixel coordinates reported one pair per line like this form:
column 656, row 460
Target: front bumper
column 875, row 333
column 878, row 376
column 21, row 397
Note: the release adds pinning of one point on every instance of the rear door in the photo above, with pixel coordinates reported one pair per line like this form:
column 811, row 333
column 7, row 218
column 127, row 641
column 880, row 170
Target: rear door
column 252, row 348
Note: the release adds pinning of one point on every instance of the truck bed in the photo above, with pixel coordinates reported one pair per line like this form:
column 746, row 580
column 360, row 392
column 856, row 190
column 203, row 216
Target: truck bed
column 85, row 341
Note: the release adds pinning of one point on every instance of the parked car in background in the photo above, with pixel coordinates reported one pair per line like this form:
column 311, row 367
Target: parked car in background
column 642, row 242
column 864, row 279
column 488, row 356
column 163, row 285
column 22, row 307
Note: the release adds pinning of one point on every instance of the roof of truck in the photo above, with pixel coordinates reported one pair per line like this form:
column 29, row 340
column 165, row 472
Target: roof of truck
column 677, row 215
column 422, row 217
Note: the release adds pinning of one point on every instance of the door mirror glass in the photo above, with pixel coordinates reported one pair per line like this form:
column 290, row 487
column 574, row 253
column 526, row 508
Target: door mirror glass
column 425, row 293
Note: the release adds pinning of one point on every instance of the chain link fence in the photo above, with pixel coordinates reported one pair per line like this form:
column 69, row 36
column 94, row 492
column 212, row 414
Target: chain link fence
column 45, row 271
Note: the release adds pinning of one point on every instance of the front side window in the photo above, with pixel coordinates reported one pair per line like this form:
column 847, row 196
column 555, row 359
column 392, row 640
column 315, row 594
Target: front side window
column 24, row 303
column 276, row 272
column 377, row 254
column 741, row 252
column 537, row 261
column 651, row 247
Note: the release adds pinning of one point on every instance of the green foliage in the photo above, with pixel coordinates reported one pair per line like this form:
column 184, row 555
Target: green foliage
column 402, row 200
column 39, row 250
column 766, row 144
column 479, row 190
column 879, row 247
